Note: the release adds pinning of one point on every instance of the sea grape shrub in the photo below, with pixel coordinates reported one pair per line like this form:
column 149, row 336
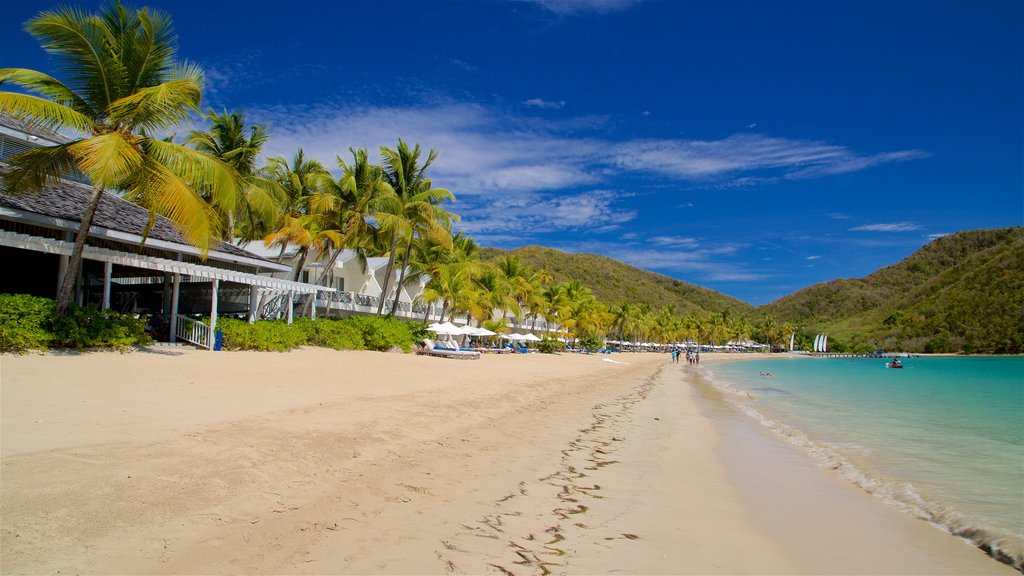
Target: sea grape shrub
column 91, row 327
column 383, row 333
column 549, row 346
column 265, row 335
column 29, row 323
column 354, row 333
column 25, row 322
column 330, row 333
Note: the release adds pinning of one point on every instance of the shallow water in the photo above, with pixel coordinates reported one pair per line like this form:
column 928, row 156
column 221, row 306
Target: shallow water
column 942, row 438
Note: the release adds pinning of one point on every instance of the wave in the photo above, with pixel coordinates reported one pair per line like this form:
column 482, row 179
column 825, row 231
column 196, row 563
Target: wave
column 1006, row 548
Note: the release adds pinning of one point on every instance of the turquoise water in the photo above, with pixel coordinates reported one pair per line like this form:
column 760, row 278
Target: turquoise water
column 942, row 438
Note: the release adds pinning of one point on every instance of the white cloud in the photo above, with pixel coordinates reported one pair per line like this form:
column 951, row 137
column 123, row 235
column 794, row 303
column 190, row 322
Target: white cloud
column 937, row 236
column 544, row 104
column 706, row 159
column 888, row 227
column 813, row 258
column 512, row 172
column 674, row 241
column 565, row 7
column 535, row 214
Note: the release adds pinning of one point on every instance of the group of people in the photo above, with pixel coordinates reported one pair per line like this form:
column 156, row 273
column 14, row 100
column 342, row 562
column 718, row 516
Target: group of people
column 692, row 357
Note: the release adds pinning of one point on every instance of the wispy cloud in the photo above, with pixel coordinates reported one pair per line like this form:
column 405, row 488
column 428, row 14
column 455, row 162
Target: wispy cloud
column 694, row 265
column 739, row 153
column 544, row 104
column 532, row 214
column 937, row 236
column 506, row 167
column 813, row 258
column 888, row 227
column 565, row 7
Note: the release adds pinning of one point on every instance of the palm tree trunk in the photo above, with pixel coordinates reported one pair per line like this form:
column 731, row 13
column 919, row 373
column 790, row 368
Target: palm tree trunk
column 298, row 265
column 319, row 282
column 401, row 276
column 387, row 274
column 67, row 287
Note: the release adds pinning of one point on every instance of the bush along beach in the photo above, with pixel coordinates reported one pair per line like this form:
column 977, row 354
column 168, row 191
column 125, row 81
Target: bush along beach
column 353, row 333
column 30, row 323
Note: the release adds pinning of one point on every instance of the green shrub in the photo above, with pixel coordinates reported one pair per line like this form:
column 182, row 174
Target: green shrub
column 92, row 327
column 380, row 333
column 548, row 346
column 25, row 322
column 336, row 334
column 267, row 335
column 590, row 342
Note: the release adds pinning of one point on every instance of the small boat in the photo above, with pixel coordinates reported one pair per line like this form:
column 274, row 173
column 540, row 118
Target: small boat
column 893, row 364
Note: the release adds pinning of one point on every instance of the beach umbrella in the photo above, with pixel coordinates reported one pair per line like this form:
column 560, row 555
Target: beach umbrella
column 531, row 338
column 446, row 328
column 512, row 336
column 479, row 331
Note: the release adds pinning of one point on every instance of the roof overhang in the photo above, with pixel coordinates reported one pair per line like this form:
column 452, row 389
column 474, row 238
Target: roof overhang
column 64, row 248
column 101, row 232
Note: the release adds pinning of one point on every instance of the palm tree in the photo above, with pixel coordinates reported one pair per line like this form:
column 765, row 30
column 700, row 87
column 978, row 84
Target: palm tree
column 518, row 277
column 413, row 210
column 122, row 85
column 259, row 197
column 301, row 179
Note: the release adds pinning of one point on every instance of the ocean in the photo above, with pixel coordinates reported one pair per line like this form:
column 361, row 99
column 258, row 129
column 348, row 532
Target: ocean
column 943, row 438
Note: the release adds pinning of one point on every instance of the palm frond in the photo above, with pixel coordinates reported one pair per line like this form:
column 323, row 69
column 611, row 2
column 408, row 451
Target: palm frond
column 108, row 159
column 36, row 111
column 33, row 169
column 157, row 107
column 79, row 40
column 46, row 85
column 199, row 170
column 159, row 189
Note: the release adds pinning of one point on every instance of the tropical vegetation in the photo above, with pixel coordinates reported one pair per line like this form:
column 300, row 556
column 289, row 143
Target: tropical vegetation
column 122, row 87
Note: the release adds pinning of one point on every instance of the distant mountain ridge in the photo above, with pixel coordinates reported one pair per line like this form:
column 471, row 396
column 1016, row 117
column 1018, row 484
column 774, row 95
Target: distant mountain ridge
column 964, row 291
column 961, row 292
column 613, row 282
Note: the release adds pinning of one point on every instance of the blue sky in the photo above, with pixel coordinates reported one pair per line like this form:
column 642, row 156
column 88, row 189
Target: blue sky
column 753, row 148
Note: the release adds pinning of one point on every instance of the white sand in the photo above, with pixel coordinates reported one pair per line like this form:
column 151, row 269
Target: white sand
column 326, row 462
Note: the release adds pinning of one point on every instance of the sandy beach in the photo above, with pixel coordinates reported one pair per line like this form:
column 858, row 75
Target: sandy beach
column 325, row 462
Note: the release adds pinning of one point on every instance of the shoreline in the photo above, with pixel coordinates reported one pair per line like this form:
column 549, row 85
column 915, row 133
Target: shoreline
column 774, row 476
column 358, row 462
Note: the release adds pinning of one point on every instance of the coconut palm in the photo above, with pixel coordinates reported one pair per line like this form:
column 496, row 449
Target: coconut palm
column 413, row 210
column 121, row 85
column 300, row 178
column 259, row 197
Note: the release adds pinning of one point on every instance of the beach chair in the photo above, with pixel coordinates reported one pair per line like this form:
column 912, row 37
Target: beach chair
column 433, row 349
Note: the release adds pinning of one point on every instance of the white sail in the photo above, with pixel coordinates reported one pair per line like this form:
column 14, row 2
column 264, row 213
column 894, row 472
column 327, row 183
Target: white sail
column 817, row 343
column 824, row 342
column 792, row 337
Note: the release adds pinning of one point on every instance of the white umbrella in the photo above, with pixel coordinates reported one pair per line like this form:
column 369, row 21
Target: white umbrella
column 531, row 338
column 446, row 328
column 478, row 331
column 512, row 336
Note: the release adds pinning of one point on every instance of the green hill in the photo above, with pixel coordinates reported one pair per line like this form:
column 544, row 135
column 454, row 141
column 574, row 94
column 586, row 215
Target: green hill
column 613, row 282
column 964, row 292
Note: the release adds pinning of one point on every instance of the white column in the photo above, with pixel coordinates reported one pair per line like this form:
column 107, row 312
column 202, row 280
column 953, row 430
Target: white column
column 254, row 302
column 291, row 304
column 213, row 312
column 108, row 269
column 174, row 308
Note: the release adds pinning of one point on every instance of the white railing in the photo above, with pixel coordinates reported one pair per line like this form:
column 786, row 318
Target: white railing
column 193, row 332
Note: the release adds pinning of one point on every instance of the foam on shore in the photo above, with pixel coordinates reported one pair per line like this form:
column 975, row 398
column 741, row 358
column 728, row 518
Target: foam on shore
column 899, row 495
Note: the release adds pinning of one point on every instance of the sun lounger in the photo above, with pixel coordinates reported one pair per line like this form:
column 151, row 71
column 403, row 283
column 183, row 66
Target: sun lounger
column 432, row 349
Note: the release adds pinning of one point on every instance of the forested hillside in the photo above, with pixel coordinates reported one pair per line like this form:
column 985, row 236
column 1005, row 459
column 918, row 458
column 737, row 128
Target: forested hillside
column 963, row 292
column 614, row 282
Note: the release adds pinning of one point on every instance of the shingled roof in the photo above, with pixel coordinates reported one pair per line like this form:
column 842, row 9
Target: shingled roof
column 67, row 201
